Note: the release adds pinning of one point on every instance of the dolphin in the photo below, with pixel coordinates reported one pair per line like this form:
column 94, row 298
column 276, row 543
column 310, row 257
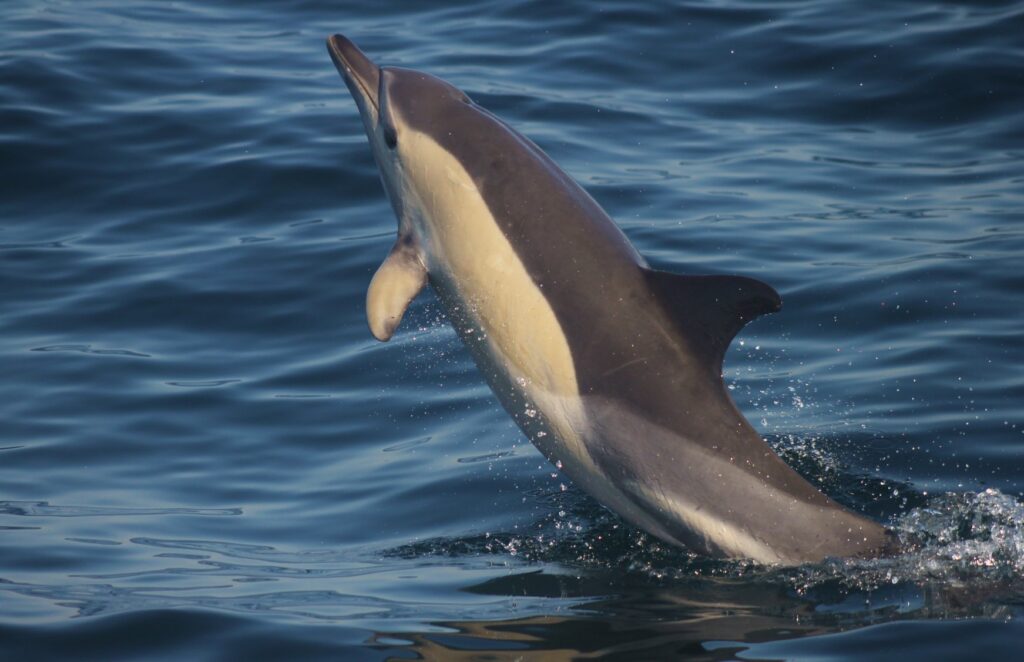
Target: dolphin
column 612, row 369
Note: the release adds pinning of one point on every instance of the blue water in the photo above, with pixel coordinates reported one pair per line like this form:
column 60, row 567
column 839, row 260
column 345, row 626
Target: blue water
column 205, row 455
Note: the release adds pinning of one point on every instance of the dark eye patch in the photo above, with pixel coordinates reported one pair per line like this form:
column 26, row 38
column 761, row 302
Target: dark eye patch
column 390, row 136
column 384, row 114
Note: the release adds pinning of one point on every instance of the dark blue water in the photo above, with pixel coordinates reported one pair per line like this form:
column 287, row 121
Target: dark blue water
column 205, row 455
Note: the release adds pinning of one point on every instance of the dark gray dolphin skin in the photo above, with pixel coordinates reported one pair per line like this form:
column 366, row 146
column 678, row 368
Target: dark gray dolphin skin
column 612, row 369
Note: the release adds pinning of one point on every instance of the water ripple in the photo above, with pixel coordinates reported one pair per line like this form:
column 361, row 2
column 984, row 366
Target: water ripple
column 45, row 509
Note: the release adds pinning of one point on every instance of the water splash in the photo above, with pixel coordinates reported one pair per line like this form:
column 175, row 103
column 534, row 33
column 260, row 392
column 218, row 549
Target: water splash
column 961, row 548
column 957, row 538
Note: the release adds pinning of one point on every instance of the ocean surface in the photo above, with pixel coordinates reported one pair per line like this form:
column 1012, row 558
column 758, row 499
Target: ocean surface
column 204, row 454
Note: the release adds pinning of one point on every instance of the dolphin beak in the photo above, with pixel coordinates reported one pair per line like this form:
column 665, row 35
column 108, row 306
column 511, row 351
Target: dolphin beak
column 361, row 75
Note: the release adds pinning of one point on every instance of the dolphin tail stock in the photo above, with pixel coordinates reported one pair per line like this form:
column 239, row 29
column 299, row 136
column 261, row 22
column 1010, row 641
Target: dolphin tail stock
column 711, row 310
column 398, row 280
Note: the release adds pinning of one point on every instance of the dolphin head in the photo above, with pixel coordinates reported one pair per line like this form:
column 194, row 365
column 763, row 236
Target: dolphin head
column 389, row 100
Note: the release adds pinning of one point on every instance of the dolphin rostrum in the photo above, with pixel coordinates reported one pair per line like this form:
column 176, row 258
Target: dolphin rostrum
column 611, row 368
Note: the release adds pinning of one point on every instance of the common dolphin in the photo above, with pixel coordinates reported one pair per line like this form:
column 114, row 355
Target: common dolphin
column 612, row 369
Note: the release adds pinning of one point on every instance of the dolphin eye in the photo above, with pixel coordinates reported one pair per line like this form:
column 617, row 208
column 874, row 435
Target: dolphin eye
column 390, row 137
column 384, row 112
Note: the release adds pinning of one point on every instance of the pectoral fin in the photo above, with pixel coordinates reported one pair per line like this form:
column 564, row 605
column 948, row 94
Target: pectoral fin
column 396, row 283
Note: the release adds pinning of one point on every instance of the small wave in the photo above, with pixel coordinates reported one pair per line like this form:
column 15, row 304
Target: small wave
column 89, row 349
column 244, row 550
column 45, row 509
column 406, row 445
column 203, row 383
column 36, row 245
column 488, row 457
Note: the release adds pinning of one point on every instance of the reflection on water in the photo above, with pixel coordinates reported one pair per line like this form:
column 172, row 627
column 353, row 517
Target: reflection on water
column 699, row 618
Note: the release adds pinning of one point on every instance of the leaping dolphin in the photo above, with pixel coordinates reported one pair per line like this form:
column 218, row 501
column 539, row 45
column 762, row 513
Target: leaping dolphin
column 611, row 368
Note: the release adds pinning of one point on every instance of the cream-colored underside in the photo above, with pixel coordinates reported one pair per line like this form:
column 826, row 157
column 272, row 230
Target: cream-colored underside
column 466, row 251
column 465, row 240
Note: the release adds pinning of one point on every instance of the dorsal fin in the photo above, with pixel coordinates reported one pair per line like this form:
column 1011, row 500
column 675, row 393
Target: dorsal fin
column 711, row 310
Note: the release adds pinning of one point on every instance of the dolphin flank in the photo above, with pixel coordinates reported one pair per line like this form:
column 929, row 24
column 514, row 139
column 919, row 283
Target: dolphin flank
column 612, row 369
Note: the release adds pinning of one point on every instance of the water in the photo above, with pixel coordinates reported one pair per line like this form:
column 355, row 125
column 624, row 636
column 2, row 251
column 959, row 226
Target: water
column 204, row 454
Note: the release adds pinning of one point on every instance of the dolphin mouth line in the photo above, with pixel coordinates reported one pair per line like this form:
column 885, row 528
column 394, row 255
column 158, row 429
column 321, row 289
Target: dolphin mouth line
column 349, row 72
